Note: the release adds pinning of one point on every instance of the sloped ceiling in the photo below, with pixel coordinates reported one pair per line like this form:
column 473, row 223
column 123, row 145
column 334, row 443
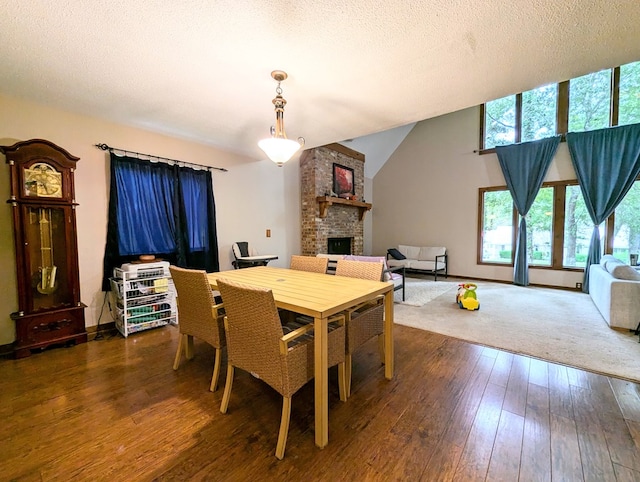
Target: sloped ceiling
column 200, row 70
column 377, row 148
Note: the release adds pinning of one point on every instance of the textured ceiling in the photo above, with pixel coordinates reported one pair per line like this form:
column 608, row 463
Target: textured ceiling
column 200, row 69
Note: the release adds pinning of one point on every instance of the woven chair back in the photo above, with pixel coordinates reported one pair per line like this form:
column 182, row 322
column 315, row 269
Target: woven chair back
column 359, row 269
column 309, row 263
column 253, row 332
column 195, row 300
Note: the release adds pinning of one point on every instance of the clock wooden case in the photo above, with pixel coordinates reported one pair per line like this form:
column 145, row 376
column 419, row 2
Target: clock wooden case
column 44, row 222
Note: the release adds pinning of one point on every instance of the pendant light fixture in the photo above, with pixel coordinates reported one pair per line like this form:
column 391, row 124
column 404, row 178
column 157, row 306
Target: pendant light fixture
column 277, row 147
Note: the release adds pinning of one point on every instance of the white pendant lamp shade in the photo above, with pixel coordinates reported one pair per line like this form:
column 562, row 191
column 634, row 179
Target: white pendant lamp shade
column 279, row 150
column 277, row 147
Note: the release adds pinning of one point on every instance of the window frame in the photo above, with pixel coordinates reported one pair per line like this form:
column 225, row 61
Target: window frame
column 562, row 111
column 557, row 233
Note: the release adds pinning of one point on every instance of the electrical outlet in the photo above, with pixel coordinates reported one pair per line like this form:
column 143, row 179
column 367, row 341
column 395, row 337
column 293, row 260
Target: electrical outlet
column 268, row 233
column 578, row 286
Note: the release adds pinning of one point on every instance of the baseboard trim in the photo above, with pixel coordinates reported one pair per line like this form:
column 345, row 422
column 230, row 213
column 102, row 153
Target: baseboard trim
column 93, row 332
column 6, row 351
column 475, row 278
column 104, row 329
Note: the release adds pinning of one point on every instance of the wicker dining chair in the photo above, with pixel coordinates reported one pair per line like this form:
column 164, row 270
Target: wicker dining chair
column 309, row 263
column 366, row 320
column 360, row 269
column 198, row 316
column 257, row 343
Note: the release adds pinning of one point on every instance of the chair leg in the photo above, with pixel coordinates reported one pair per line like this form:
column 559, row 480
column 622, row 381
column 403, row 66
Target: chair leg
column 342, row 381
column 284, row 427
column 189, row 350
column 216, row 370
column 347, row 374
column 227, row 390
column 176, row 361
column 381, row 347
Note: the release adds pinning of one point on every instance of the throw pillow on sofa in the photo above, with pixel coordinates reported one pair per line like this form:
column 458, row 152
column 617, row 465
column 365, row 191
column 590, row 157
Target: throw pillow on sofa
column 626, row 272
column 395, row 254
column 609, row 261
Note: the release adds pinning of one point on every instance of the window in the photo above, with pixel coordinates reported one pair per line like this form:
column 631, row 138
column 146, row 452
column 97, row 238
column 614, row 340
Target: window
column 540, row 228
column 497, row 227
column 626, row 232
column 500, row 121
column 590, row 101
column 559, row 228
column 594, row 101
column 539, row 113
column 629, row 103
column 578, row 228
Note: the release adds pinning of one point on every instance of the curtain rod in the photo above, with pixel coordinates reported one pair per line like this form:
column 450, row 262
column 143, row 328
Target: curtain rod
column 105, row 147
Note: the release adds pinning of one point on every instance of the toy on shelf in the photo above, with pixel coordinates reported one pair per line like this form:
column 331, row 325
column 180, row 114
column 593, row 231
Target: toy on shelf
column 466, row 297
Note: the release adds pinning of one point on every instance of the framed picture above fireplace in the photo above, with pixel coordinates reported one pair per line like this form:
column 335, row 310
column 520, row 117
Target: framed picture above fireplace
column 343, row 184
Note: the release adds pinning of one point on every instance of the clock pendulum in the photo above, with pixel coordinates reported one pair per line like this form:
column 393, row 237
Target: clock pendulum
column 48, row 283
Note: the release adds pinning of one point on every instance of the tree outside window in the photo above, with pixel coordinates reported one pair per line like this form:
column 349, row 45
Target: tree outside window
column 539, row 113
column 626, row 233
column 497, row 227
column 500, row 121
column 580, row 104
column 629, row 110
column 590, row 101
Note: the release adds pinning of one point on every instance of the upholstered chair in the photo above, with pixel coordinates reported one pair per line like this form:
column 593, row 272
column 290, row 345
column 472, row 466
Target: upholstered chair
column 199, row 316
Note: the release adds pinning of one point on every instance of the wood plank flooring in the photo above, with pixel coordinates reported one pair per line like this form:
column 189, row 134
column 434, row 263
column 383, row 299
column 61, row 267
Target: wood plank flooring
column 114, row 409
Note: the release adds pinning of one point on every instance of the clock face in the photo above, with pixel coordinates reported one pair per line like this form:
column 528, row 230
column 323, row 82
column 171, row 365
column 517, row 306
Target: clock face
column 42, row 180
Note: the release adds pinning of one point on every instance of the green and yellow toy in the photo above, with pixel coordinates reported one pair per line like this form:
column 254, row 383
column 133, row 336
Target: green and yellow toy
column 466, row 297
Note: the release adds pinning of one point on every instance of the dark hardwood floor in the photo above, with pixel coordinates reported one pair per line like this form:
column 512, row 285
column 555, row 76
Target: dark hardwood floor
column 115, row 410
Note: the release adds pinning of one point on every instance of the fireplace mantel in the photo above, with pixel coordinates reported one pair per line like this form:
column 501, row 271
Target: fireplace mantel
column 326, row 201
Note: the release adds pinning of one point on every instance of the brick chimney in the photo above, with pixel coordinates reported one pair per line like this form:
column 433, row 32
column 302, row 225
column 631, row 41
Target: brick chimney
column 316, row 178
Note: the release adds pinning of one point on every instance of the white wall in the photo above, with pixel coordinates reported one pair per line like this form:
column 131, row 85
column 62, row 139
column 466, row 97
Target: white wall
column 427, row 195
column 252, row 197
column 367, row 248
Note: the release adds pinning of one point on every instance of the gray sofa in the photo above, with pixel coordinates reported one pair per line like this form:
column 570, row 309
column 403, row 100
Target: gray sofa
column 615, row 290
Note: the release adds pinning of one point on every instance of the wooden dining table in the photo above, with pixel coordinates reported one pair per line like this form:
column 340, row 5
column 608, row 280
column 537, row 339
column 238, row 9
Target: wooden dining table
column 319, row 296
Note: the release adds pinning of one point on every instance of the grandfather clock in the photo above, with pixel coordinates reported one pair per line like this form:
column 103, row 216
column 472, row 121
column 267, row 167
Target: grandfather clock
column 44, row 226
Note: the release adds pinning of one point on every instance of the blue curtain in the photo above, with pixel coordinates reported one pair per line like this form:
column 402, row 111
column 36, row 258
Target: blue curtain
column 607, row 162
column 524, row 167
column 198, row 245
column 145, row 206
column 160, row 209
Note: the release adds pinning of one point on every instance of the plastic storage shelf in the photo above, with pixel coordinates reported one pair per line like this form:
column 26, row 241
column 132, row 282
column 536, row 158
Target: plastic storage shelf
column 143, row 297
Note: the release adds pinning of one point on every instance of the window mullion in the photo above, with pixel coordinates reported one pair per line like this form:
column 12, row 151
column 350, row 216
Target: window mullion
column 562, row 119
column 615, row 96
column 609, row 233
column 518, row 123
column 559, row 199
column 480, row 240
column 515, row 230
column 483, row 120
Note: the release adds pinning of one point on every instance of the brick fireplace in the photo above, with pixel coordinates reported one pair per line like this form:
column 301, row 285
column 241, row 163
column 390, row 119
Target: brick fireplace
column 342, row 218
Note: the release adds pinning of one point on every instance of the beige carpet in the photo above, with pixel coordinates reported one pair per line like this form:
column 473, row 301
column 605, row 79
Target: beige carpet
column 419, row 291
column 555, row 325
